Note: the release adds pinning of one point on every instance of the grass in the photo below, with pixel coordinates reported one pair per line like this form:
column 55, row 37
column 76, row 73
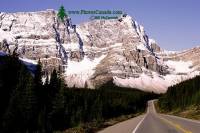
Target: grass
column 95, row 126
column 191, row 112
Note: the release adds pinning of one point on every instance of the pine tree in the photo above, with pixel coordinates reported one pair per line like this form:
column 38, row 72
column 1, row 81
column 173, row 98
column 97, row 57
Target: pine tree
column 38, row 84
column 58, row 109
column 9, row 70
column 21, row 111
column 62, row 13
column 43, row 119
column 46, row 83
column 29, row 104
column 38, row 74
column 52, row 91
column 54, row 84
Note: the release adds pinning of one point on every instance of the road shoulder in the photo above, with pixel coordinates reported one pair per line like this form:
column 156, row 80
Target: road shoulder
column 124, row 127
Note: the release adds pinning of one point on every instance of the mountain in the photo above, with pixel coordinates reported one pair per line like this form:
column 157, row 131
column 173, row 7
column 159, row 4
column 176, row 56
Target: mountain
column 92, row 53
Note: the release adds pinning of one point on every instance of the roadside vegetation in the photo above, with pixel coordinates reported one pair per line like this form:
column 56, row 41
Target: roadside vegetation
column 182, row 99
column 28, row 105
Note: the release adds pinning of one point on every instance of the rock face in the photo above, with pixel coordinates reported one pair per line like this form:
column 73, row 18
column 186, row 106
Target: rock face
column 40, row 35
column 92, row 53
column 154, row 46
column 190, row 55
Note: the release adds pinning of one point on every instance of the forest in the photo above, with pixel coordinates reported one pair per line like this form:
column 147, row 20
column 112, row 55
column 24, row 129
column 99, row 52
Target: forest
column 181, row 95
column 28, row 105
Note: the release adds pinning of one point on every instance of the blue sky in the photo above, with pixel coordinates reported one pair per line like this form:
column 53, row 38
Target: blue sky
column 174, row 24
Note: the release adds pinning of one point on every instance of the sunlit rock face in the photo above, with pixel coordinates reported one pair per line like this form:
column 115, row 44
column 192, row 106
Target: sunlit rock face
column 95, row 52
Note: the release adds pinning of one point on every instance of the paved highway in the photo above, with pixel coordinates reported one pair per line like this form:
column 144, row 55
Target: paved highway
column 152, row 122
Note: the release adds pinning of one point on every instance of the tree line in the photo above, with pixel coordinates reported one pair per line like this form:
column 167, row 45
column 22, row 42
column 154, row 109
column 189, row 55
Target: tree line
column 28, row 105
column 182, row 95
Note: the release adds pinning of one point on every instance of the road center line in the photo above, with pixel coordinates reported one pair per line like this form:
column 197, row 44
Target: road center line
column 139, row 124
column 177, row 126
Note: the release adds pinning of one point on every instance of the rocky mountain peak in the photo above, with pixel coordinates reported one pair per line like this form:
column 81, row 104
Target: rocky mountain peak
column 89, row 54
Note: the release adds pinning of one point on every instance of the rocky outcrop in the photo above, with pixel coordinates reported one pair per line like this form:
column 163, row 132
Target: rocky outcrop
column 8, row 44
column 154, row 46
column 40, row 35
column 190, row 55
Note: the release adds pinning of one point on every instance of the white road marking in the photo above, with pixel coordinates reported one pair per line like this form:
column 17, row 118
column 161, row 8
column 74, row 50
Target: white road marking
column 151, row 103
column 139, row 124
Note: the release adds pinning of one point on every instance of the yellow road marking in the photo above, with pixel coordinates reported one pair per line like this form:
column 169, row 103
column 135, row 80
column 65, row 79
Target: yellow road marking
column 177, row 126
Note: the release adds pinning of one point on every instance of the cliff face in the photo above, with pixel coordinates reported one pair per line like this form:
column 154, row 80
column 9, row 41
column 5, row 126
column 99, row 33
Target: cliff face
column 89, row 54
column 191, row 55
column 39, row 35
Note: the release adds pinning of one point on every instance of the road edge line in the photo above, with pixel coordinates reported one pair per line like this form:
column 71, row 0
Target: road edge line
column 175, row 125
column 154, row 109
column 139, row 124
column 186, row 119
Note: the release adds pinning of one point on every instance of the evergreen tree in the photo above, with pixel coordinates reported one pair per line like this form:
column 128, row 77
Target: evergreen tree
column 34, row 107
column 46, row 83
column 58, row 109
column 38, row 74
column 29, row 101
column 62, row 13
column 9, row 75
column 21, row 112
column 54, row 84
column 38, row 84
column 52, row 91
column 185, row 94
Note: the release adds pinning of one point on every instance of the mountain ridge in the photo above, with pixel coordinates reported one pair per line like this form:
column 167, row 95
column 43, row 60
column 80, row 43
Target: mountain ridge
column 95, row 52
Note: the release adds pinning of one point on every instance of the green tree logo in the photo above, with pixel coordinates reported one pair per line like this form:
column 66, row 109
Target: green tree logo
column 62, row 13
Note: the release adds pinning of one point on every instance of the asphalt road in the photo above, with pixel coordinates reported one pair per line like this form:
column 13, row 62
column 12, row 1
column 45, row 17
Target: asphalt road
column 152, row 122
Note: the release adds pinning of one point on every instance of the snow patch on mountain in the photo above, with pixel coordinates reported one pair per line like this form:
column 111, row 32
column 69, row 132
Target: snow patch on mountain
column 28, row 61
column 78, row 73
column 151, row 41
column 141, row 46
column 71, row 46
column 153, row 83
column 83, row 34
column 144, row 82
column 4, row 35
column 173, row 79
column 179, row 66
